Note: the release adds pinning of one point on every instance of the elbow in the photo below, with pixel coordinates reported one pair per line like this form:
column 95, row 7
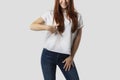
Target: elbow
column 31, row 27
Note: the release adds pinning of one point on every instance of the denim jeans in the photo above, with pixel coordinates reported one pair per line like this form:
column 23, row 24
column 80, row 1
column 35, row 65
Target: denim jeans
column 49, row 61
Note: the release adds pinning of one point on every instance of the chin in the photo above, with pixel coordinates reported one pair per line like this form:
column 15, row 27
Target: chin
column 64, row 7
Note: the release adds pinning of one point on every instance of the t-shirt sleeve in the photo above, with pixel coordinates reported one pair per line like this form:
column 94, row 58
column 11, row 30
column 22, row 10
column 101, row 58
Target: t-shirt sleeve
column 45, row 16
column 80, row 21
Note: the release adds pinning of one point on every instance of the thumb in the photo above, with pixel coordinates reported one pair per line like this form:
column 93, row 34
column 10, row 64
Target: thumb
column 63, row 61
column 72, row 64
column 57, row 24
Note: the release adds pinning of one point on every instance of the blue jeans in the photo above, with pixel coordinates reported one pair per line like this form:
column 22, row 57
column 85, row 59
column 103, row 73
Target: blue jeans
column 49, row 61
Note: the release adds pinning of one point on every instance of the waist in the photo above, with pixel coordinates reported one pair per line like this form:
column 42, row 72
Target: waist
column 55, row 51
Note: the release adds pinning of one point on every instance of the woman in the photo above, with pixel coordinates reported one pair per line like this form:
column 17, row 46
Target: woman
column 64, row 28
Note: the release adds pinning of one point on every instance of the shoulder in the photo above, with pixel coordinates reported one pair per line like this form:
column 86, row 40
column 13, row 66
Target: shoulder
column 49, row 12
column 80, row 20
column 79, row 14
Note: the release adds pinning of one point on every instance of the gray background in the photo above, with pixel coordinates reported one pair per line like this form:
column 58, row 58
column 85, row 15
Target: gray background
column 20, row 48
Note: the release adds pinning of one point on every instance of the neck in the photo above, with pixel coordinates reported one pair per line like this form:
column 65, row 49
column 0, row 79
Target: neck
column 64, row 10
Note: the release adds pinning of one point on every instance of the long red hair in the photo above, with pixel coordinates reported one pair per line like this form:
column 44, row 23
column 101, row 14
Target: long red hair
column 71, row 13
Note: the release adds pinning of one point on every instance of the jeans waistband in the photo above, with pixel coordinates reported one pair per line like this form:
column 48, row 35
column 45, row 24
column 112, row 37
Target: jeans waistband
column 52, row 52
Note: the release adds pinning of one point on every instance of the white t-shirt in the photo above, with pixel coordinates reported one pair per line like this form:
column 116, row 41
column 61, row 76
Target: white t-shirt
column 56, row 42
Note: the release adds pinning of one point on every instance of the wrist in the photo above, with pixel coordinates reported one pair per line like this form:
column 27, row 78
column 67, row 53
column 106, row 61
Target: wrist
column 47, row 27
column 71, row 56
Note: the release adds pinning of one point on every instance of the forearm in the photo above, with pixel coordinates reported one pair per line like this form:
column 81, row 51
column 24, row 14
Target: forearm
column 76, row 43
column 38, row 27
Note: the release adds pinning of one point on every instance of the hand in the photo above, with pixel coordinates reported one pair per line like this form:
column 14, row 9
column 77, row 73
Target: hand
column 68, row 62
column 53, row 28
